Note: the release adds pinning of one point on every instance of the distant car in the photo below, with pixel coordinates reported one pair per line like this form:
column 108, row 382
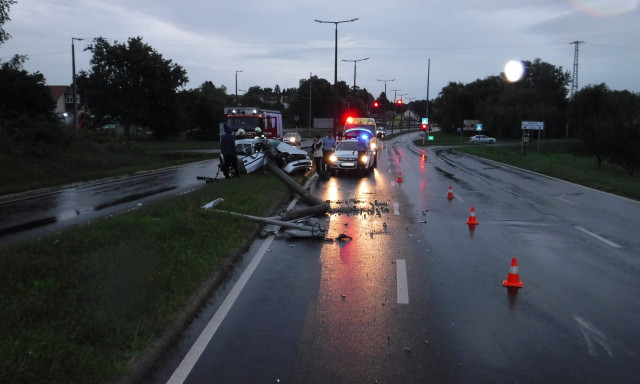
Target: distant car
column 381, row 131
column 479, row 139
column 347, row 158
column 292, row 138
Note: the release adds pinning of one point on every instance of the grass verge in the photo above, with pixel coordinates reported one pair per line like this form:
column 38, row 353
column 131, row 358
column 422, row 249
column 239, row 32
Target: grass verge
column 89, row 155
column 82, row 305
column 561, row 159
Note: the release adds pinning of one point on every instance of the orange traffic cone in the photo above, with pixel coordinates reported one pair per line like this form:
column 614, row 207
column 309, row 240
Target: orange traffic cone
column 472, row 219
column 513, row 279
column 450, row 194
column 399, row 177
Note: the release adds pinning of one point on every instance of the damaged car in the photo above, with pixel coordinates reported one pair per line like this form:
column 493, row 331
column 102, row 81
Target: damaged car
column 253, row 154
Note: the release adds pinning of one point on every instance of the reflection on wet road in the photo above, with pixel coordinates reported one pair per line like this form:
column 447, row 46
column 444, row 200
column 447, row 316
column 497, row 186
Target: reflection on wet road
column 33, row 214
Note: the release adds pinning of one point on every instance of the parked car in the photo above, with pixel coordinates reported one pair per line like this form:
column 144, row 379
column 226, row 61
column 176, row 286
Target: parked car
column 479, row 139
column 292, row 138
column 347, row 158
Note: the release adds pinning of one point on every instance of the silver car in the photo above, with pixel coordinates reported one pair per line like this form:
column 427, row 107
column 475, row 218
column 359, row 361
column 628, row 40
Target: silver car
column 292, row 138
column 479, row 139
column 347, row 158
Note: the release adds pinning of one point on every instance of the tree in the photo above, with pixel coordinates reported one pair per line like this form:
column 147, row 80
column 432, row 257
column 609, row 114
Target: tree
column 5, row 6
column 202, row 110
column 23, row 93
column 133, row 84
column 321, row 100
column 501, row 106
column 608, row 124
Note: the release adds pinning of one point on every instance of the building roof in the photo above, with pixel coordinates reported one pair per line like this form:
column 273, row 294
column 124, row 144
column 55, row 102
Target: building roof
column 57, row 91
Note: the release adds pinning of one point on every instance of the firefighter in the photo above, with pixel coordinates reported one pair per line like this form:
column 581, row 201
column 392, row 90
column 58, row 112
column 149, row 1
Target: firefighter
column 241, row 134
column 228, row 151
column 258, row 132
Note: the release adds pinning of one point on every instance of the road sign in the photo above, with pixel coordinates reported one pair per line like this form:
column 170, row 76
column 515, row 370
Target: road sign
column 470, row 125
column 533, row 125
column 425, row 120
column 478, row 127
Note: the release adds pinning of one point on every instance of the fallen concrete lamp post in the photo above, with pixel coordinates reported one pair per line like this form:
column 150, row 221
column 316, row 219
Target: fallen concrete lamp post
column 302, row 228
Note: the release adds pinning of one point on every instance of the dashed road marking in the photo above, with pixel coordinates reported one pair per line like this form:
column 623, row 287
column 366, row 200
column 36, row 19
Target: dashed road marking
column 403, row 286
column 611, row 243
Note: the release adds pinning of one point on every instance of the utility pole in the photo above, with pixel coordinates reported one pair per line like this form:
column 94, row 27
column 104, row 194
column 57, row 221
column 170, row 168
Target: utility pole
column 384, row 107
column 426, row 114
column 310, row 77
column 75, row 87
column 355, row 62
column 335, row 73
column 237, row 86
column 395, row 108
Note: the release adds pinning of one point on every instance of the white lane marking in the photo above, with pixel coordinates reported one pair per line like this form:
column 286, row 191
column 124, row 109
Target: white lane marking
column 565, row 200
column 190, row 360
column 611, row 243
column 403, row 287
column 589, row 332
column 396, row 208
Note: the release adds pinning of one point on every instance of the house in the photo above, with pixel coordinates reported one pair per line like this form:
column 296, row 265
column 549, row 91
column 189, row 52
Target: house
column 62, row 95
column 410, row 117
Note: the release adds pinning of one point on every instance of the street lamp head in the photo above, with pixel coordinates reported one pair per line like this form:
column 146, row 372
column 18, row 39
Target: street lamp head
column 335, row 22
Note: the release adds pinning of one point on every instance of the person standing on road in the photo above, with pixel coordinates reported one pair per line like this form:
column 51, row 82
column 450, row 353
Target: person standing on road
column 328, row 147
column 317, row 153
column 361, row 147
column 228, row 151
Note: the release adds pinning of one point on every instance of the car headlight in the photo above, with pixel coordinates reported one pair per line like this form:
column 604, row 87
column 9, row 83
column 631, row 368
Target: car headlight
column 292, row 139
column 333, row 158
column 372, row 146
column 364, row 159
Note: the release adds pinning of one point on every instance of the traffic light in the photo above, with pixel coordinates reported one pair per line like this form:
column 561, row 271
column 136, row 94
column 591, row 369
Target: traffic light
column 376, row 104
column 399, row 102
column 424, row 126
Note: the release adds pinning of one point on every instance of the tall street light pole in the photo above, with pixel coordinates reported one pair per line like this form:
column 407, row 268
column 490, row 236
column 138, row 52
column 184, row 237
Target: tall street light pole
column 237, row 86
column 384, row 108
column 335, row 73
column 355, row 63
column 75, row 87
column 395, row 108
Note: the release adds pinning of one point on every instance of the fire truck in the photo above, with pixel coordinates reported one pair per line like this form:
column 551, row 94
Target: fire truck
column 250, row 118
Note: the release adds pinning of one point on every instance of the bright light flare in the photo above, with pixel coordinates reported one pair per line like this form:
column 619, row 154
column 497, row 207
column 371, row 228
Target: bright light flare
column 514, row 71
column 605, row 8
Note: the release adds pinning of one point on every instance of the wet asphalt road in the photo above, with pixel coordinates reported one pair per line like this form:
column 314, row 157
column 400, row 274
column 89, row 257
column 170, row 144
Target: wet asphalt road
column 37, row 213
column 417, row 296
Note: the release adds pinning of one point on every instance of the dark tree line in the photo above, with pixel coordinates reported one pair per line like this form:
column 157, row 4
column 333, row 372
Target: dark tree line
column 608, row 124
column 501, row 106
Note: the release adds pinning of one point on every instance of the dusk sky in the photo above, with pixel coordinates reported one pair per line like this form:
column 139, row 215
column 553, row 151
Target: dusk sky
column 278, row 43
